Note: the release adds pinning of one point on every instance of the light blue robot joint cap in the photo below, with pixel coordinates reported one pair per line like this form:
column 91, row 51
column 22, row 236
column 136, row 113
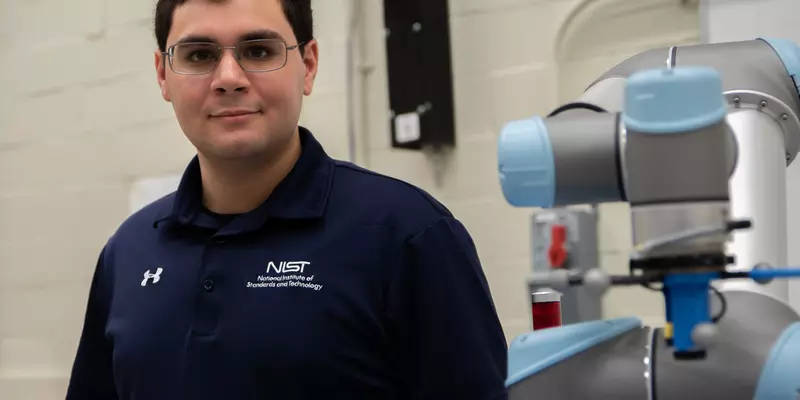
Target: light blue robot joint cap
column 673, row 100
column 780, row 377
column 536, row 351
column 789, row 53
column 526, row 165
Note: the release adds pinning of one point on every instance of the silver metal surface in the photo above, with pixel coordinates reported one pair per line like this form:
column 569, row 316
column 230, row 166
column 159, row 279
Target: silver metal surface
column 691, row 166
column 649, row 373
column 779, row 111
column 758, row 193
column 548, row 296
column 608, row 94
column 671, row 58
column 657, row 222
column 585, row 156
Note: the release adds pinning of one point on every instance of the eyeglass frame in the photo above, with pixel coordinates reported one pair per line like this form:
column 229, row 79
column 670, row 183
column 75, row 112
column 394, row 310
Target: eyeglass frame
column 169, row 54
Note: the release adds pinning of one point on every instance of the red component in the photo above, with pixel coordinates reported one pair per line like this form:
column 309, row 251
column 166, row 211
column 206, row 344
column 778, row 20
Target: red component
column 557, row 253
column 546, row 315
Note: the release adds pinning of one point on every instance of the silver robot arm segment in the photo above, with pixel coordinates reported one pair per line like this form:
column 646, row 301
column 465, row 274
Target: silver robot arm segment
column 696, row 139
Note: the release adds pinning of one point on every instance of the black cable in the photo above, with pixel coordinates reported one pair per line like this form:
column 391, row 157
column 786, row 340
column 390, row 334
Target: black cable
column 576, row 105
column 626, row 280
column 647, row 281
column 722, row 302
column 739, row 225
column 649, row 286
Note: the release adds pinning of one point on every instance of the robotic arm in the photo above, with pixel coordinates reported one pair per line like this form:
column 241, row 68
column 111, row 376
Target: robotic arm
column 696, row 139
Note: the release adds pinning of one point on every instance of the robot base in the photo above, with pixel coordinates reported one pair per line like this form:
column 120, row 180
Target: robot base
column 756, row 356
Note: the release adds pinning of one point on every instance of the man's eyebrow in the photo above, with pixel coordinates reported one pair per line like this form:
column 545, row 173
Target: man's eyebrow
column 196, row 39
column 261, row 34
column 252, row 35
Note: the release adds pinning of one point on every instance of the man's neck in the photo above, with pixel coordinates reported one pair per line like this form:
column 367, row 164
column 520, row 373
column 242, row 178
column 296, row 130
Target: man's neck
column 236, row 187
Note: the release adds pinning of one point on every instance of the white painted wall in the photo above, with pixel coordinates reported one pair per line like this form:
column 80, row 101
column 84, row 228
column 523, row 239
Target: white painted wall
column 731, row 20
column 83, row 129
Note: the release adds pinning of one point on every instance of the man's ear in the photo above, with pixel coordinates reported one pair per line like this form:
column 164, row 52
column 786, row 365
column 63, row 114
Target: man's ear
column 161, row 74
column 311, row 61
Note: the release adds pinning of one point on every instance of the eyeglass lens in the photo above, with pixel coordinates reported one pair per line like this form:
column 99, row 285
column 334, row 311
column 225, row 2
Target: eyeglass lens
column 254, row 55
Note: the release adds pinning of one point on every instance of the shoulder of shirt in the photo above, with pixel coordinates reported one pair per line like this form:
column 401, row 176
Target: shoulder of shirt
column 392, row 200
column 143, row 221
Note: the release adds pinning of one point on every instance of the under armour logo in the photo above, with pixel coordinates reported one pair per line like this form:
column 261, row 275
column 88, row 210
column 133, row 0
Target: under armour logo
column 155, row 277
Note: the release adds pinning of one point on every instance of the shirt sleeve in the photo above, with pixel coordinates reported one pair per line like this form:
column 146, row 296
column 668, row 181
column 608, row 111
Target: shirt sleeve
column 450, row 343
column 92, row 377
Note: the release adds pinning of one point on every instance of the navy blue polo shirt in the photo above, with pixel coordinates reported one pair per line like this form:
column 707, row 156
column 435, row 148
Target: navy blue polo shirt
column 344, row 284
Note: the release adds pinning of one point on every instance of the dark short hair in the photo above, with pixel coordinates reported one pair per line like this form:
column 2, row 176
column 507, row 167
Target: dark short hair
column 297, row 12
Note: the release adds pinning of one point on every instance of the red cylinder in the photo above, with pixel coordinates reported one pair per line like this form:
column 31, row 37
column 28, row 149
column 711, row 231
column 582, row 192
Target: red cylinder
column 546, row 310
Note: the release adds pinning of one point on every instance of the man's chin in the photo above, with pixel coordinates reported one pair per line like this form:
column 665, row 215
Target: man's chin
column 237, row 148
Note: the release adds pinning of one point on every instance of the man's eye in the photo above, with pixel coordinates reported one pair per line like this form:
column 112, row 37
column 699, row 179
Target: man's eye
column 200, row 56
column 257, row 52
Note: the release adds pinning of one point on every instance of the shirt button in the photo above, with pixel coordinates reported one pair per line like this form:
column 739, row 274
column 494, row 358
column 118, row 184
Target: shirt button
column 208, row 285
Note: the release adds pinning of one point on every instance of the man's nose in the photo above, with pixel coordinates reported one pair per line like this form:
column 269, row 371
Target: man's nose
column 229, row 75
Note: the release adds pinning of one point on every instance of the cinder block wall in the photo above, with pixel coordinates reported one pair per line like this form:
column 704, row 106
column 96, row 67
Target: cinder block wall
column 82, row 120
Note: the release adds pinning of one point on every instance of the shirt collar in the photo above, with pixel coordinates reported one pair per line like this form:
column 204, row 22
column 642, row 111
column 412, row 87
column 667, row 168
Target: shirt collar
column 303, row 194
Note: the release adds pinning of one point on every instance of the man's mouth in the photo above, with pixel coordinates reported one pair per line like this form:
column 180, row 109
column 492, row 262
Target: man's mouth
column 232, row 113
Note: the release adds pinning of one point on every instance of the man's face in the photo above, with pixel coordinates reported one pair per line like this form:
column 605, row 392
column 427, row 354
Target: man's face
column 231, row 113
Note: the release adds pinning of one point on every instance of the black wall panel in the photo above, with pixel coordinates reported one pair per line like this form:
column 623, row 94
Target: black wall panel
column 420, row 71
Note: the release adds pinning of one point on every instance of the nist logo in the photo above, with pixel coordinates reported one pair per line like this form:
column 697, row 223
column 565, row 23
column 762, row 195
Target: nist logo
column 285, row 267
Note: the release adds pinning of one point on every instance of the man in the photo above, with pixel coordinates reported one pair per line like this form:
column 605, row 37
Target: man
column 274, row 271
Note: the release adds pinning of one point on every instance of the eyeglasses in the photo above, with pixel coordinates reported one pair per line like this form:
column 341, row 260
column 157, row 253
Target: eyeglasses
column 260, row 55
